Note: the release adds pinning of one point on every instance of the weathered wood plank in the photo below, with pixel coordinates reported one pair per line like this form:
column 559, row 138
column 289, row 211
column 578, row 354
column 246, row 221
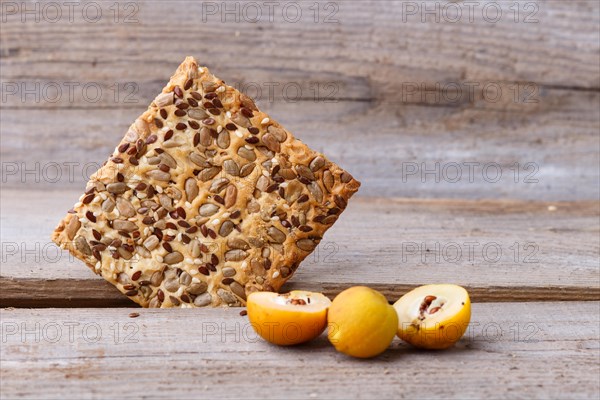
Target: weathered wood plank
column 511, row 350
column 547, row 150
column 372, row 49
column 500, row 250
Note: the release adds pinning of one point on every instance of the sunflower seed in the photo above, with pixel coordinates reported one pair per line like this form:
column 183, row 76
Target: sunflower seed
column 287, row 173
column 208, row 173
column 82, row 245
column 293, row 191
column 205, row 137
column 235, row 255
column 117, row 188
column 168, row 160
column 271, row 143
column 227, row 296
column 305, row 172
column 246, row 153
column 218, row 184
column 247, row 170
column 163, row 99
column 185, row 278
column 72, row 227
column 230, row 196
column 154, row 160
column 238, row 289
column 208, row 86
column 226, row 228
column 340, row 201
column 197, row 288
column 276, row 235
column 237, row 243
column 173, row 258
column 306, row 244
column 195, row 246
column 223, row 140
column 317, row 163
column 199, row 160
column 197, row 114
column 328, row 180
column 191, row 189
column 345, row 177
column 203, row 300
column 231, row 167
column 154, row 303
column 240, row 120
column 125, row 208
column 142, row 127
column 316, row 191
column 278, row 133
column 125, row 254
column 263, row 183
column 126, row 226
column 208, row 209
column 159, row 175
column 165, row 201
column 157, row 278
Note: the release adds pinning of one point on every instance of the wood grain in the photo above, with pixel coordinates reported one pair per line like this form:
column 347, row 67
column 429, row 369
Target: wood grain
column 511, row 350
column 379, row 78
column 390, row 244
column 370, row 47
column 549, row 150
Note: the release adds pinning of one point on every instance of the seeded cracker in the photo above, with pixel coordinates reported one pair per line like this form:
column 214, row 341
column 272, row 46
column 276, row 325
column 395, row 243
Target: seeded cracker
column 205, row 200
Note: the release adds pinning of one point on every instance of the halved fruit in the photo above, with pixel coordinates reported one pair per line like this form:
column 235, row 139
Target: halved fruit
column 361, row 322
column 433, row 316
column 290, row 318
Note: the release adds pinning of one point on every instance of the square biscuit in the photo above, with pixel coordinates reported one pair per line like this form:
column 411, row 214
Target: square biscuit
column 205, row 200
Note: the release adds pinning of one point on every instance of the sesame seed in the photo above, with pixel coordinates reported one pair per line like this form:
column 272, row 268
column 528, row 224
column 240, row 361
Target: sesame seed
column 238, row 134
column 265, row 121
column 216, row 221
column 275, row 274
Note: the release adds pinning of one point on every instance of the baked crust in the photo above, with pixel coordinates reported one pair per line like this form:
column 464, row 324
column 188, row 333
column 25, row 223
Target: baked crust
column 180, row 216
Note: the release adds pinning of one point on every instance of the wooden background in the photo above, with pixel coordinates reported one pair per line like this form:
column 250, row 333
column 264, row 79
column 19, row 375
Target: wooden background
column 380, row 92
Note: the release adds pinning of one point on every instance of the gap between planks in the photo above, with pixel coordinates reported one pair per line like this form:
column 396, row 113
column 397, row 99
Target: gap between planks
column 66, row 293
column 566, row 268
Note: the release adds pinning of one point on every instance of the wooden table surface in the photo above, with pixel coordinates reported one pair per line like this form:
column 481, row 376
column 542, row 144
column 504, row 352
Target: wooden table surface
column 477, row 141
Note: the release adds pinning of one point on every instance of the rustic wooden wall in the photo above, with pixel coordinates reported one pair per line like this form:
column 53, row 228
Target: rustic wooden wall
column 393, row 100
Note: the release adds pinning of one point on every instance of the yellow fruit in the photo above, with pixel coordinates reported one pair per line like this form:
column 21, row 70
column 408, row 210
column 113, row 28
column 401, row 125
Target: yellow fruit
column 287, row 319
column 433, row 316
column 361, row 323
